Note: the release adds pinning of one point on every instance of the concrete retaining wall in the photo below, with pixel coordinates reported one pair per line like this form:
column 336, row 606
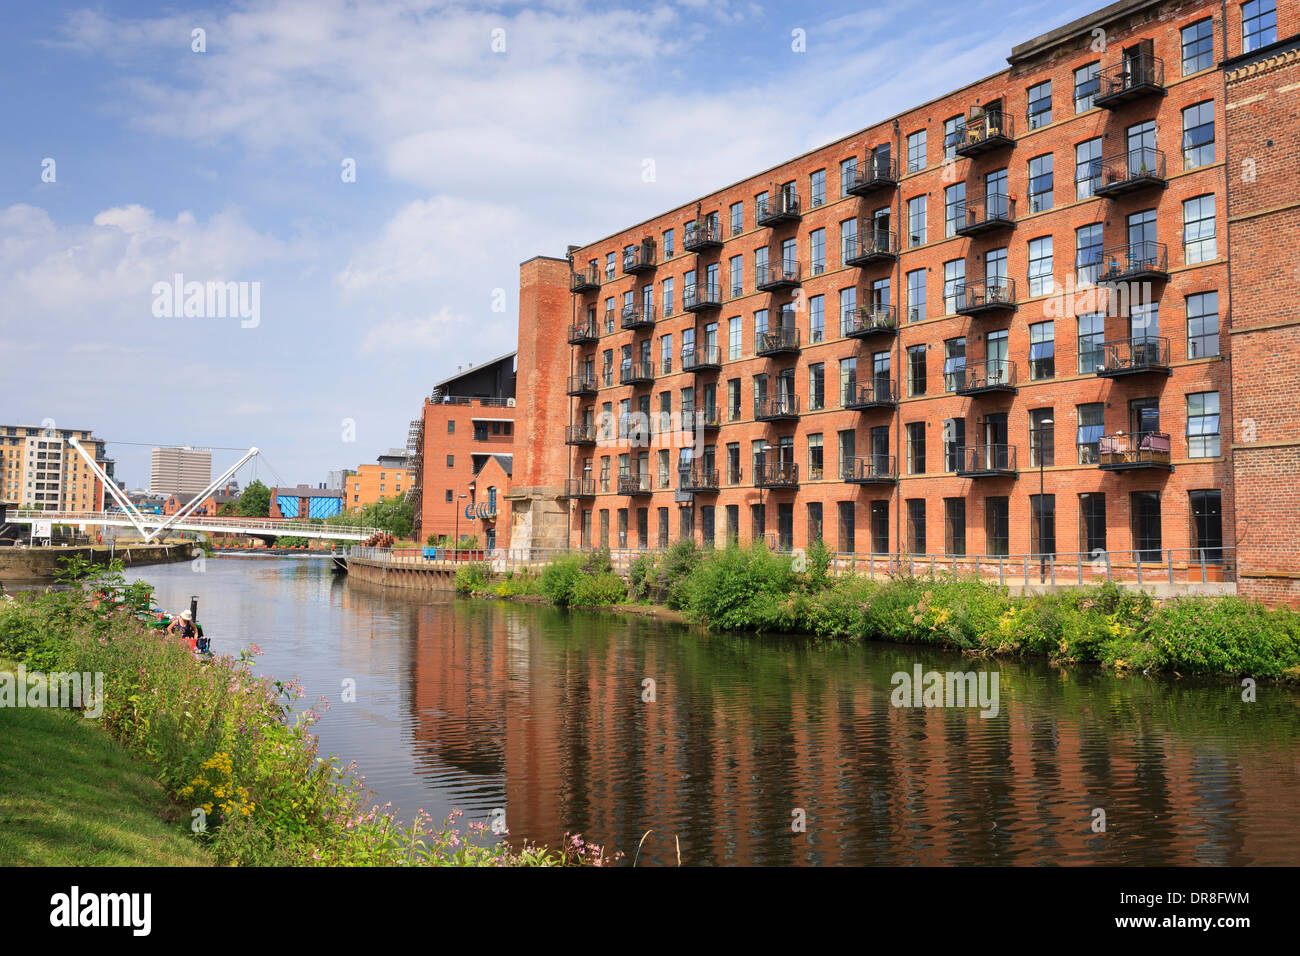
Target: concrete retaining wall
column 41, row 564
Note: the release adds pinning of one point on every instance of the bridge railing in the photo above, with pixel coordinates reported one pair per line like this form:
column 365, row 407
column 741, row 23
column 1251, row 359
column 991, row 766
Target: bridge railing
column 302, row 529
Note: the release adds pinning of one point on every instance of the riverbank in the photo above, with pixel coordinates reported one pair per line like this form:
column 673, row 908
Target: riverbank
column 72, row 796
column 752, row 589
column 34, row 565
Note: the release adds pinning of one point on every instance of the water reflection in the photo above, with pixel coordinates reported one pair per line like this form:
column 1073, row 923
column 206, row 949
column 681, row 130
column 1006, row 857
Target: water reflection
column 481, row 705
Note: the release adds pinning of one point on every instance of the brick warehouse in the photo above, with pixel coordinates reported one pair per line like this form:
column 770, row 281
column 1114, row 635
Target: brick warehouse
column 881, row 341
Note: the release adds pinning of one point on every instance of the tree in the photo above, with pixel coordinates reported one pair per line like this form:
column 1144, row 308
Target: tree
column 396, row 516
column 255, row 502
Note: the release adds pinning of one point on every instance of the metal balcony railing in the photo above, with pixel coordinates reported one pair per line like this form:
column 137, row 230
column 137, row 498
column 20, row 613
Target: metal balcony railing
column 1121, row 452
column 701, row 358
column 580, row 434
column 582, row 385
column 640, row 258
column 985, row 213
column 878, row 172
column 981, row 296
column 637, row 372
column 702, row 234
column 1129, row 171
column 709, row 417
column 586, row 280
column 584, row 333
column 876, row 245
column 777, row 475
column 983, row 132
column 700, row 479
column 637, row 316
column 1135, row 77
column 1134, row 260
column 785, row 275
column 1134, row 356
column 640, row 484
column 776, row 408
column 580, row 487
column 776, row 342
column 702, row 296
column 865, row 320
column 976, row 461
column 772, row 210
column 991, row 375
column 869, row 469
column 875, row 393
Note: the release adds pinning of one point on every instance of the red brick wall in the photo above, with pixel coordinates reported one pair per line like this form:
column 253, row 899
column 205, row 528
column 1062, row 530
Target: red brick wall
column 492, row 475
column 437, row 515
column 545, row 310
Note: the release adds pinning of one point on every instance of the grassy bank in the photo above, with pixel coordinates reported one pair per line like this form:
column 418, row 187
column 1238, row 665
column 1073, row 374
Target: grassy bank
column 752, row 589
column 230, row 748
column 70, row 795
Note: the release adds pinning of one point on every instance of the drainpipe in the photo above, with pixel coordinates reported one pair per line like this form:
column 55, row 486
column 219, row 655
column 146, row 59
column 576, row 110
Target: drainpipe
column 898, row 342
column 573, row 318
column 1226, row 320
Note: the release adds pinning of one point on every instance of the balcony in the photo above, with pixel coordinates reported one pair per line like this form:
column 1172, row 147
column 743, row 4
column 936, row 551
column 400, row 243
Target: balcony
column 986, row 461
column 702, row 297
column 1124, row 357
column 1136, row 78
column 708, row 418
column 773, row 211
column 1135, row 262
column 1130, row 171
column 987, row 214
column 636, row 373
column 876, row 173
column 985, row 296
column 984, row 133
column 785, row 275
column 877, row 393
column 702, row 235
column 588, row 280
column 580, row 487
column 783, row 341
column 700, row 479
column 637, row 317
column 639, row 258
column 870, row 470
column 703, row 358
column 866, row 321
column 581, row 385
column 584, row 333
column 777, row 475
column 991, row 377
column 1144, row 450
column 777, row 409
column 878, row 245
column 635, row 484
column 580, row 434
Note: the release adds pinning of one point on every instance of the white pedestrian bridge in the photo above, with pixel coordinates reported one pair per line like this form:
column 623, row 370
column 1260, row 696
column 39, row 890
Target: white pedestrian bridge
column 232, row 524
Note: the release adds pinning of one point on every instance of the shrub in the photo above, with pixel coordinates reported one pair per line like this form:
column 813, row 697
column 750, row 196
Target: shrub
column 560, row 578
column 600, row 590
column 678, row 564
column 740, row 589
column 473, row 577
column 642, row 579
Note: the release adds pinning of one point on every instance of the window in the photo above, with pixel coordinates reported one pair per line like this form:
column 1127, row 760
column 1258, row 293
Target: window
column 817, row 251
column 1198, row 230
column 1040, row 104
column 668, row 296
column 1202, row 325
column 954, row 440
column 668, row 244
column 848, row 171
column 733, row 399
column 1040, row 183
column 814, row 521
column 1144, row 509
column 1042, row 350
column 1087, row 168
column 816, row 461
column 954, row 208
column 951, row 136
column 816, row 386
column 609, row 265
column 449, row 498
column 954, row 284
column 451, row 427
column 1042, row 525
column 817, row 187
column 1198, row 46
column 848, row 542
column 915, row 448
column 848, row 450
column 916, row 295
column 1087, row 253
column 1092, row 523
column 916, row 369
column 1087, row 83
column 1198, row 135
column 733, row 523
column 1203, row 425
column 954, row 364
column 1258, row 24
column 848, row 378
column 916, row 525
column 1207, row 525
column 954, row 526
column 451, row 461
column 1091, row 428
column 1042, row 438
column 604, row 528
column 916, row 151
column 996, row 534
column 916, row 221
column 1040, row 266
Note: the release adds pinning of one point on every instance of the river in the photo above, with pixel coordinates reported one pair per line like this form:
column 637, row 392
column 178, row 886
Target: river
column 541, row 714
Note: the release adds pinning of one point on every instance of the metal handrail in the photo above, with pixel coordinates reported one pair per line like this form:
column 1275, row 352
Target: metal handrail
column 1132, row 258
column 865, row 319
column 986, row 457
column 986, row 374
column 873, row 391
column 867, row 467
column 874, row 242
column 1131, row 73
column 776, row 339
column 977, row 293
column 776, row 406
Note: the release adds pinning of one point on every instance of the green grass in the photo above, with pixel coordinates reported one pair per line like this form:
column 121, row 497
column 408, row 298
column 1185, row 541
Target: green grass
column 70, row 795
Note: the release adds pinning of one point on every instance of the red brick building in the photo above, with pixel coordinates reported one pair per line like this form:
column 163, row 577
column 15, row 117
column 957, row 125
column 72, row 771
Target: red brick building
column 466, row 423
column 881, row 341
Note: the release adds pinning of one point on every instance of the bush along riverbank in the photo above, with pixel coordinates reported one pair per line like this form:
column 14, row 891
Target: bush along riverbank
column 233, row 750
column 754, row 589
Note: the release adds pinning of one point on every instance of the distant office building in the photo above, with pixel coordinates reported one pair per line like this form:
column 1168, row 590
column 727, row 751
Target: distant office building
column 39, row 469
column 180, row 471
column 335, row 479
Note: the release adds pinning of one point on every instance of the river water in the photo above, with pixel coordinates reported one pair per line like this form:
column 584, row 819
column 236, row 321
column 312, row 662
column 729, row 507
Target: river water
column 541, row 714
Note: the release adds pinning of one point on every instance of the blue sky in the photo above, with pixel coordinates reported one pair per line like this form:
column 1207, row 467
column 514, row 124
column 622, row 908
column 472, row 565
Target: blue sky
column 226, row 165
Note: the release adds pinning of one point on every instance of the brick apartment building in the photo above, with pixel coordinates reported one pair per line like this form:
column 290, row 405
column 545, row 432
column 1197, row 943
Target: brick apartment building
column 462, row 449
column 882, row 341
column 391, row 477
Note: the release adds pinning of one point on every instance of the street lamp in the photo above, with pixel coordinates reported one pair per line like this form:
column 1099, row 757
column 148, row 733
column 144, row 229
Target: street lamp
column 763, row 450
column 1042, row 555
